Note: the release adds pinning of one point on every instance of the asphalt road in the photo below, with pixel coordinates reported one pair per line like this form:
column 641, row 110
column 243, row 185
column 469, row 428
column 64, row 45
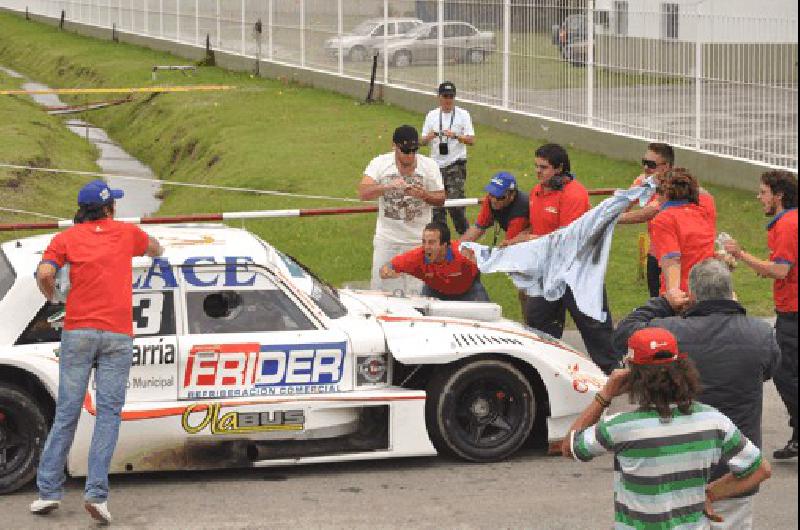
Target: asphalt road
column 530, row 491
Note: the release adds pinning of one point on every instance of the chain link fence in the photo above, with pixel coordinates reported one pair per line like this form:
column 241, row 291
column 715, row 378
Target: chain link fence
column 717, row 76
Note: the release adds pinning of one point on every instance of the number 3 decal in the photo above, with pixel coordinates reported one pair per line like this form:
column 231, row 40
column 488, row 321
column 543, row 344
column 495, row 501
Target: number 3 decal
column 147, row 312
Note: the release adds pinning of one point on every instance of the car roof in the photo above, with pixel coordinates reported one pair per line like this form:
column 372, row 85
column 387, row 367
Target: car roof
column 393, row 19
column 180, row 243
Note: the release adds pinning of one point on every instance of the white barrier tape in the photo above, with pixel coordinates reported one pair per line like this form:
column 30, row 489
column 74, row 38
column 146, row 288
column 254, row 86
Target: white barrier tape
column 448, row 203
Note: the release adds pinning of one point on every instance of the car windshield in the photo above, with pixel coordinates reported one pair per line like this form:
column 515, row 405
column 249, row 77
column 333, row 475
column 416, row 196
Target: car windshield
column 324, row 294
column 7, row 275
column 365, row 28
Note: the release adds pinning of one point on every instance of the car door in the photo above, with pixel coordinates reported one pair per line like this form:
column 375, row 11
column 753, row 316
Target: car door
column 426, row 46
column 247, row 337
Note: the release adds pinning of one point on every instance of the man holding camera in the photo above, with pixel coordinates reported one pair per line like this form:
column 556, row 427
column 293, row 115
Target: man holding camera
column 407, row 186
column 448, row 130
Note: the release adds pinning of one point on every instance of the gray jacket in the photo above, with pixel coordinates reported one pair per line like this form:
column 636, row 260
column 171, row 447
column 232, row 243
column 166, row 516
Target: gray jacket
column 734, row 354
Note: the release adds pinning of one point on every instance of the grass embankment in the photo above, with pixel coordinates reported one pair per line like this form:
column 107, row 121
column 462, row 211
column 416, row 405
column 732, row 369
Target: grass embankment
column 30, row 137
column 278, row 136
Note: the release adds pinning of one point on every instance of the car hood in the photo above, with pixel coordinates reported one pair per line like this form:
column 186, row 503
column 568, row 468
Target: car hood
column 376, row 303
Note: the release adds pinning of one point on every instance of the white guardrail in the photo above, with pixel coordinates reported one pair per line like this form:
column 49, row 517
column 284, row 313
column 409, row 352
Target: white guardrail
column 716, row 76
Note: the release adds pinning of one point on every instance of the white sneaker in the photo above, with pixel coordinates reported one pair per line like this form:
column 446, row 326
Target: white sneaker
column 43, row 507
column 99, row 512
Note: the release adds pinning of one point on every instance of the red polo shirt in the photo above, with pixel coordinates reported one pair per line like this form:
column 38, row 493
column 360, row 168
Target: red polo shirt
column 99, row 254
column 554, row 209
column 706, row 201
column 453, row 276
column 782, row 243
column 686, row 231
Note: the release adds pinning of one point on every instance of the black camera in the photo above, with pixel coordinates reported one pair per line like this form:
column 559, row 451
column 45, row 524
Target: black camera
column 444, row 149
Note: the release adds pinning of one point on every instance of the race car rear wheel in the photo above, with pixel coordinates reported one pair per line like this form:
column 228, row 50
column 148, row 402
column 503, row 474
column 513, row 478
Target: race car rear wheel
column 481, row 411
column 23, row 430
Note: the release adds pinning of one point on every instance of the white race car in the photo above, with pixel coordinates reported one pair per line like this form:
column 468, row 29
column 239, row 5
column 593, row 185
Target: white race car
column 244, row 358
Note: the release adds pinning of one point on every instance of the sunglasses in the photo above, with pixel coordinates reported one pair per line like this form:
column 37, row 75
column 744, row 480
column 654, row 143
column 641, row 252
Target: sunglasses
column 408, row 150
column 447, row 96
column 649, row 164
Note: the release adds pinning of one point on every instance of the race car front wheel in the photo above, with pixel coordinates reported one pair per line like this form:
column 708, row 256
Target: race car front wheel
column 481, row 410
column 23, row 430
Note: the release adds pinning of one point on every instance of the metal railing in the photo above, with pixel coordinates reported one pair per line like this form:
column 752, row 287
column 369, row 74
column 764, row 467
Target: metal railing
column 716, row 76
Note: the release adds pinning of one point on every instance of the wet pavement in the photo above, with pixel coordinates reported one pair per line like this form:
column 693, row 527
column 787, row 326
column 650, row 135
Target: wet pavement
column 140, row 195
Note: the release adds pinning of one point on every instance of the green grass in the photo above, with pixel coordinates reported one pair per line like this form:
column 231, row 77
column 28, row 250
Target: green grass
column 33, row 138
column 278, row 136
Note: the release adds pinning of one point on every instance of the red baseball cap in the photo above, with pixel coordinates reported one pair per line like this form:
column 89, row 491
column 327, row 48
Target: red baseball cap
column 651, row 346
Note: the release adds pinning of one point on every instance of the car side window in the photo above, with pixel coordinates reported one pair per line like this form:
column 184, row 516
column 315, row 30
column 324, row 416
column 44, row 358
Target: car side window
column 378, row 31
column 405, row 27
column 258, row 306
column 153, row 313
column 434, row 33
column 46, row 326
column 452, row 31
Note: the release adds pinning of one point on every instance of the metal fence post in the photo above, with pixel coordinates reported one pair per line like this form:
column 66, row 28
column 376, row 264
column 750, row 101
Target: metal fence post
column 146, row 17
column 161, row 18
column 244, row 44
column 440, row 42
column 506, row 51
column 178, row 20
column 197, row 22
column 302, row 32
column 219, row 28
column 339, row 33
column 590, row 63
column 385, row 42
column 270, row 50
column 698, row 79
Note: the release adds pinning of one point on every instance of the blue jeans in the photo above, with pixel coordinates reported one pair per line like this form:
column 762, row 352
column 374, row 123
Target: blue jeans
column 81, row 349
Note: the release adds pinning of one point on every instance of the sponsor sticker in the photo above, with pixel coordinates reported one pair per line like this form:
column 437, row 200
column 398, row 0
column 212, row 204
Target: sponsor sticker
column 252, row 369
column 371, row 370
column 213, row 421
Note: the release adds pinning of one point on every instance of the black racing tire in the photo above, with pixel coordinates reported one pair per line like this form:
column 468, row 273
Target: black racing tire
column 23, row 431
column 481, row 410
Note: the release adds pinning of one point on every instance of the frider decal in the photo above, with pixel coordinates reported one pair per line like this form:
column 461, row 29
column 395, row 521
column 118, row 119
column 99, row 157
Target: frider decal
column 252, row 369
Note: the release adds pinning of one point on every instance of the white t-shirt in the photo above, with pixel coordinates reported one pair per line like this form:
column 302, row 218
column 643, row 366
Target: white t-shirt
column 462, row 126
column 401, row 218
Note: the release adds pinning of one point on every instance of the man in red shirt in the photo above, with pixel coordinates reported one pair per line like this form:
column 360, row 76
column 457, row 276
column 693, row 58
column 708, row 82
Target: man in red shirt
column 683, row 232
column 98, row 331
column 778, row 195
column 448, row 275
column 555, row 202
column 658, row 159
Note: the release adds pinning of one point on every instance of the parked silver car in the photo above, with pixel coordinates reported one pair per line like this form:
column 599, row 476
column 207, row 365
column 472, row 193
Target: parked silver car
column 358, row 44
column 463, row 42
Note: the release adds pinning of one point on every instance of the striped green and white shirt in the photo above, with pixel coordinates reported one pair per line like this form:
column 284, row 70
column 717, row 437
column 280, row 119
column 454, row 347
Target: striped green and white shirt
column 663, row 467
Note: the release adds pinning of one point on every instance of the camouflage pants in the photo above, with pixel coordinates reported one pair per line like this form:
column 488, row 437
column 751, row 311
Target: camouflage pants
column 454, row 177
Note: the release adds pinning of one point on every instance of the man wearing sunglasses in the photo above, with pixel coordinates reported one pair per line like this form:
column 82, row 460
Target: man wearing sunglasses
column 659, row 159
column 448, row 130
column 407, row 186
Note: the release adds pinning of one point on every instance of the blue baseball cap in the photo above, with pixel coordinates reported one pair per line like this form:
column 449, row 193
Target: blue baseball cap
column 501, row 183
column 98, row 192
